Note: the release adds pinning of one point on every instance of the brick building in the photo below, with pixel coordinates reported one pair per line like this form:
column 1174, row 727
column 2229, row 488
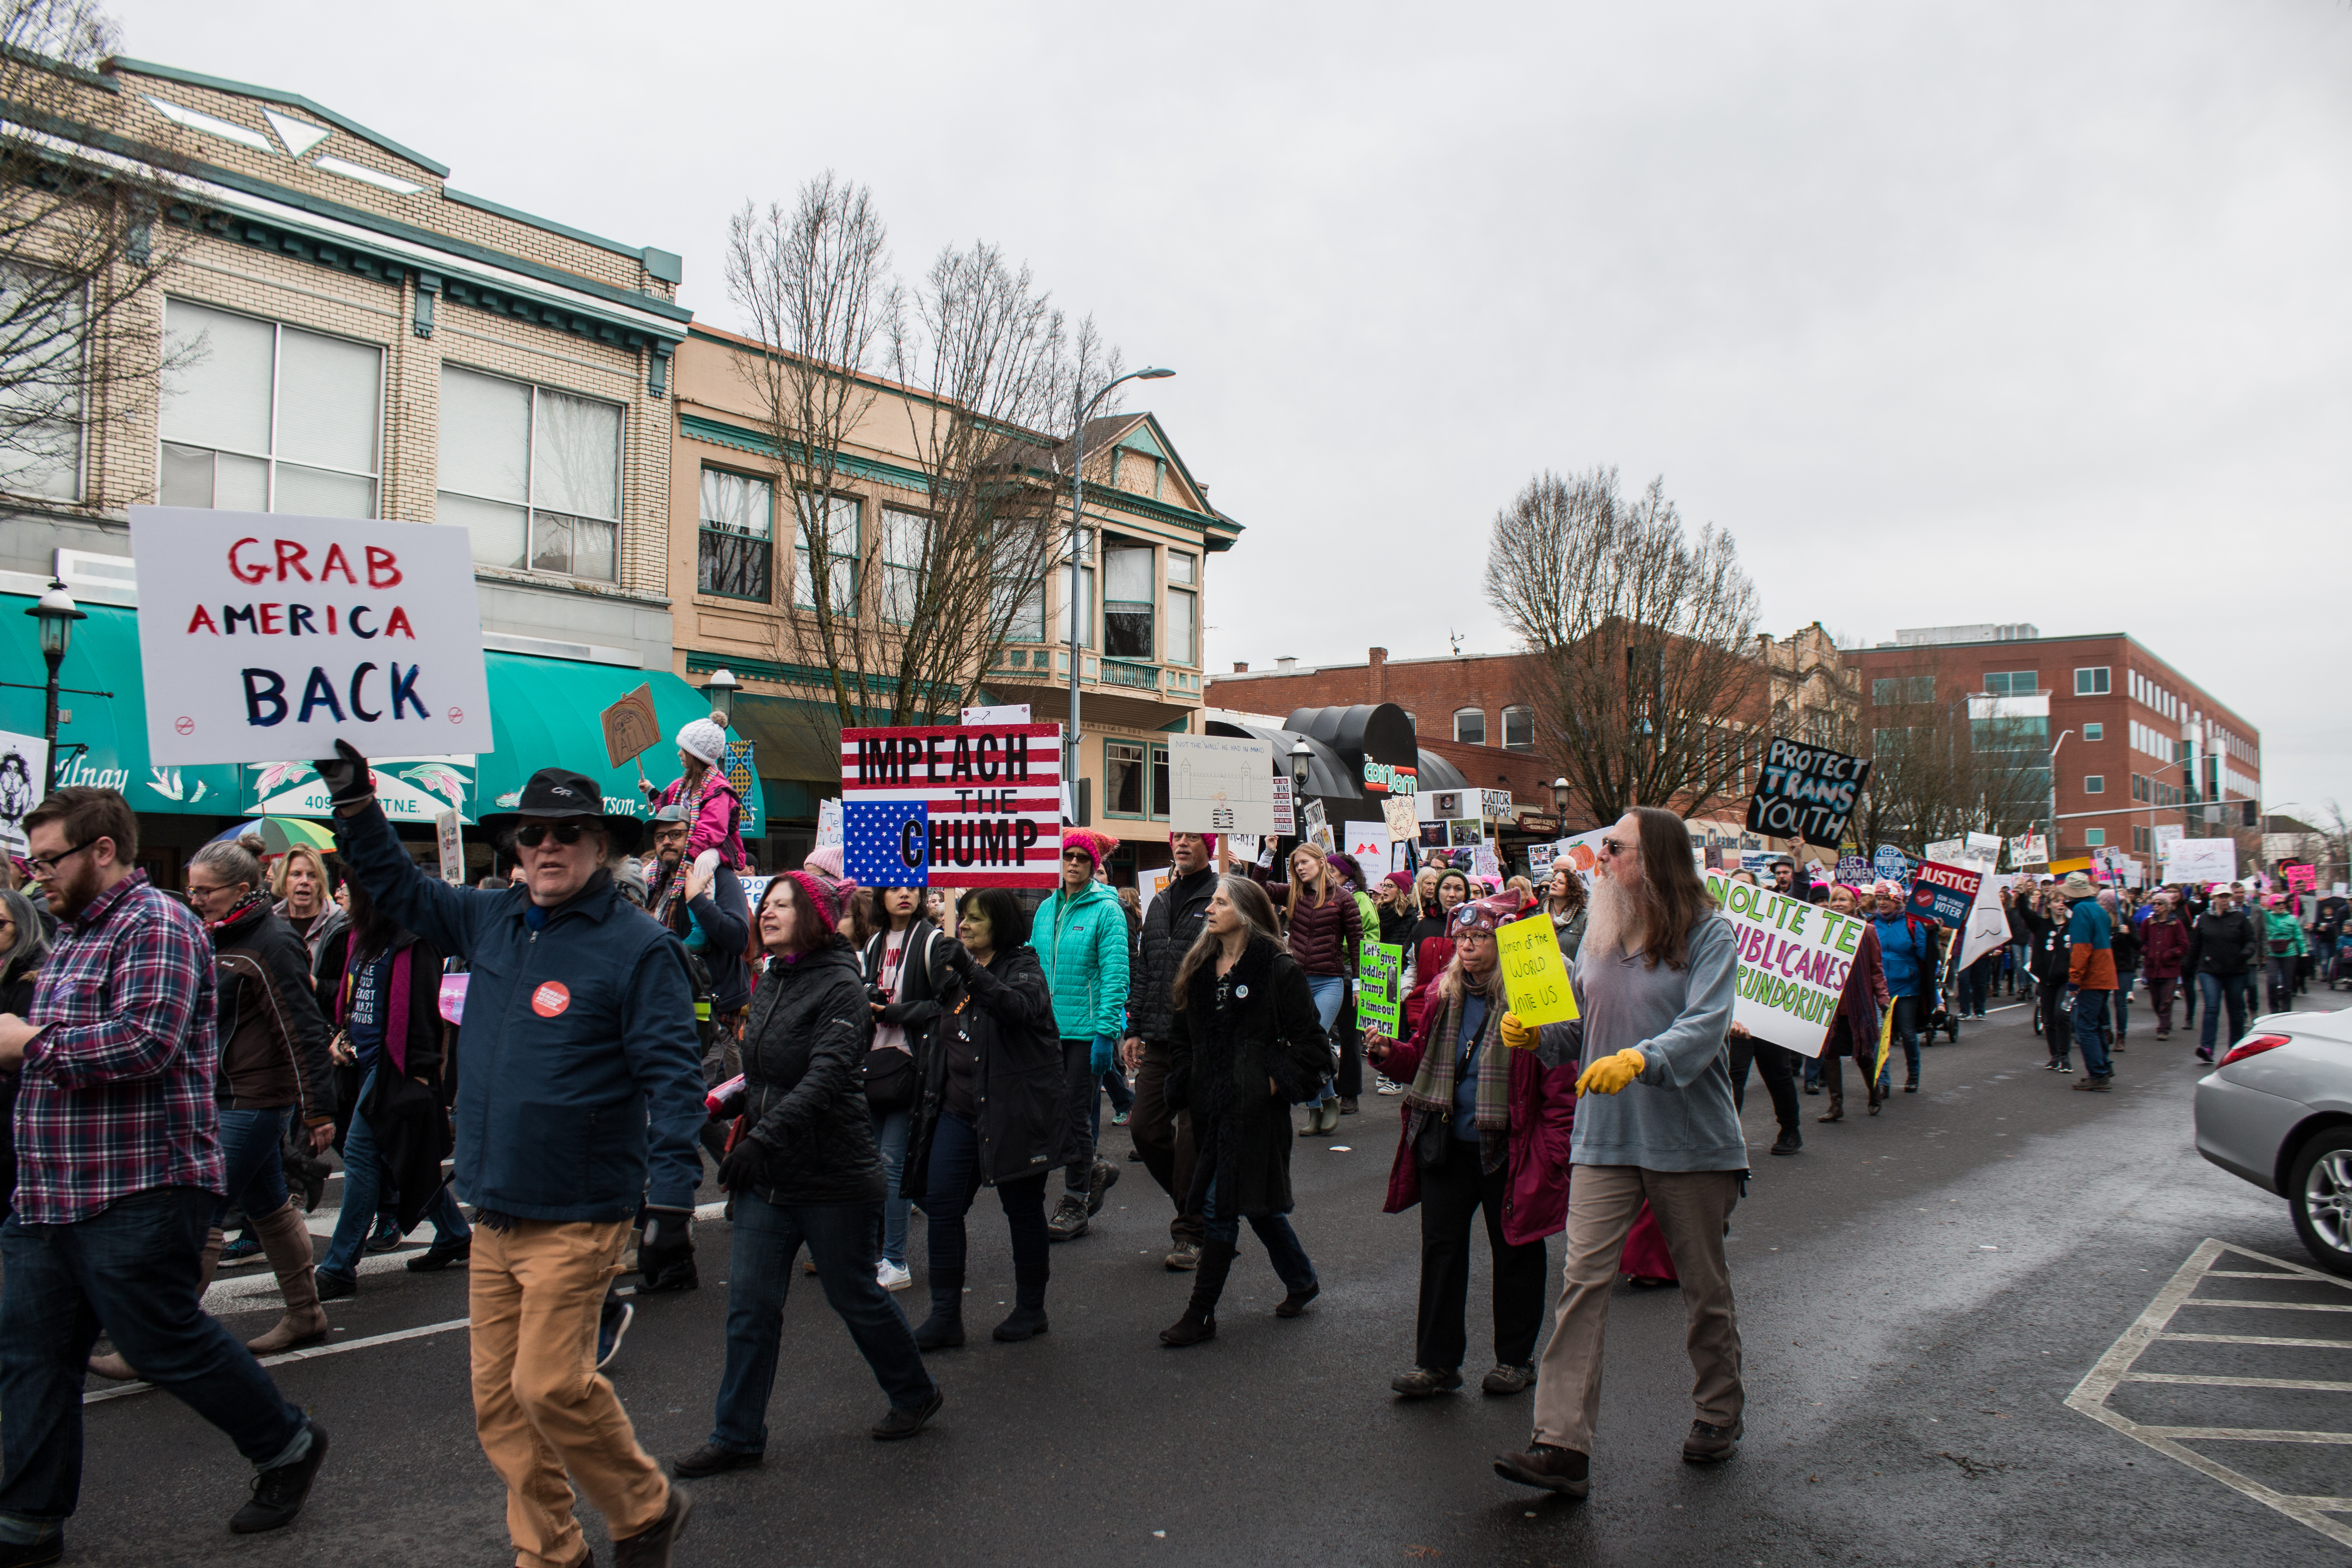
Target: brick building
column 2137, row 741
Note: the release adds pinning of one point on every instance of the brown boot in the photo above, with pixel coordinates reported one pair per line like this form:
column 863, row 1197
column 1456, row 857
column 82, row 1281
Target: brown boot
column 286, row 1239
column 1836, row 1112
column 113, row 1365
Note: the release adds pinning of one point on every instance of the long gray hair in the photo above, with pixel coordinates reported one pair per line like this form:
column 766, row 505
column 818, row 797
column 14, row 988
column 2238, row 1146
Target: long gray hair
column 31, row 943
column 1256, row 910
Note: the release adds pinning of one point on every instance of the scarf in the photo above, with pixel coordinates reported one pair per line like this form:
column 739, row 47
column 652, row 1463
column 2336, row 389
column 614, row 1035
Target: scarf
column 1430, row 1097
column 242, row 909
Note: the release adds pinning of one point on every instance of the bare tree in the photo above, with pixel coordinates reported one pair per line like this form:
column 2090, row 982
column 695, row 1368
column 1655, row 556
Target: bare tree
column 1941, row 773
column 1642, row 674
column 83, row 241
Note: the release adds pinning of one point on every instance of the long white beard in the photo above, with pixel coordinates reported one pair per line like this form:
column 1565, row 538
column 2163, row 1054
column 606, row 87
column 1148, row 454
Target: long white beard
column 1617, row 920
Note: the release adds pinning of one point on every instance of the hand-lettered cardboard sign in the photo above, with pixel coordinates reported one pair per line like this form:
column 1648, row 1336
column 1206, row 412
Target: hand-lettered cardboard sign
column 1380, row 966
column 632, row 728
column 1807, row 790
column 1535, row 976
column 1793, row 961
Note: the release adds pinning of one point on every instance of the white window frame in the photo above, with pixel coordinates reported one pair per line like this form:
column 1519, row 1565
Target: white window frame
column 270, row 461
column 531, row 506
column 1458, row 739
column 2095, row 783
column 853, row 558
column 1526, row 713
column 705, row 528
column 890, row 572
column 2098, row 683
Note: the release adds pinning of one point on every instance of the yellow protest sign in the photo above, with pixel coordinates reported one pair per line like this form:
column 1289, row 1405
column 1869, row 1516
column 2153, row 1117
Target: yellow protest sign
column 1535, row 977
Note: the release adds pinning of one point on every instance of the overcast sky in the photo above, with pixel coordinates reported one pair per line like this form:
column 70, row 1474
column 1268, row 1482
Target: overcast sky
column 1956, row 313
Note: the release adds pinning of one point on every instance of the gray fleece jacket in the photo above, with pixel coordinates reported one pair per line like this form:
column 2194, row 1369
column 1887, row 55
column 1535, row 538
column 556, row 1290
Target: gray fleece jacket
column 1678, row 1114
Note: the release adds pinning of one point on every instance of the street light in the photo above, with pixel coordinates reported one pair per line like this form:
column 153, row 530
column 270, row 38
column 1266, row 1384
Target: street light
column 1077, row 539
column 1302, row 756
column 1559, row 800
column 56, row 613
column 720, row 690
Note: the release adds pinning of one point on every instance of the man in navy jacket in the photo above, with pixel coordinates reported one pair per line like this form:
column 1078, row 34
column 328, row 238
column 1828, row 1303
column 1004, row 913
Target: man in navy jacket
column 579, row 1094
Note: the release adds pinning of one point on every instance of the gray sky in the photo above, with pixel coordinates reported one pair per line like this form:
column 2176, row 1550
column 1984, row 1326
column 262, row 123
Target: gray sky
column 1996, row 312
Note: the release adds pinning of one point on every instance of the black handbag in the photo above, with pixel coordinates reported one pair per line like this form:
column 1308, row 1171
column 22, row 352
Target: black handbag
column 890, row 1080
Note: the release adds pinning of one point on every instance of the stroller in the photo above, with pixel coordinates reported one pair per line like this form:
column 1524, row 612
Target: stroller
column 1943, row 1011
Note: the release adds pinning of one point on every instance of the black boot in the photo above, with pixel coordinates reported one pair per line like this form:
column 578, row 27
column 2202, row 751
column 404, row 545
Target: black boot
column 1200, row 1319
column 1028, row 1318
column 944, row 1329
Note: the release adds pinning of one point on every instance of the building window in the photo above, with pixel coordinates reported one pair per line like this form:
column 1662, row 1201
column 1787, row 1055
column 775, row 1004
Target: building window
column 1024, row 609
column 904, row 536
column 2013, row 682
column 2095, row 783
column 738, row 523
column 841, row 545
column 1128, row 571
column 1183, row 608
column 2091, row 682
column 534, row 475
column 1518, row 729
column 2095, row 837
column 1160, row 781
column 2095, row 732
column 1124, row 778
column 42, row 456
column 1886, row 692
column 264, row 418
column 1470, row 726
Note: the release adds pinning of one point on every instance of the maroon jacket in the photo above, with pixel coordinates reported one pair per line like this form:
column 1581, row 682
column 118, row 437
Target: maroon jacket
column 2164, row 948
column 1543, row 1113
column 1323, row 940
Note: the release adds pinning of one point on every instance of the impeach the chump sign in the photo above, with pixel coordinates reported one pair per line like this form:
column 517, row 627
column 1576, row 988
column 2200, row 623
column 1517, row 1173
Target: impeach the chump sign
column 265, row 637
column 1793, row 961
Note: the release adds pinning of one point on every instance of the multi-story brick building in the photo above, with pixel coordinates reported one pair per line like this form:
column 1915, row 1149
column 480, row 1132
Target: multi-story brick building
column 345, row 334
column 2137, row 744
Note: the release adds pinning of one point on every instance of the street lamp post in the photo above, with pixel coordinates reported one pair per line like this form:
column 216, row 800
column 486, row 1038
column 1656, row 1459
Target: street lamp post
column 721, row 690
column 1077, row 540
column 1560, row 801
column 56, row 613
column 2052, row 853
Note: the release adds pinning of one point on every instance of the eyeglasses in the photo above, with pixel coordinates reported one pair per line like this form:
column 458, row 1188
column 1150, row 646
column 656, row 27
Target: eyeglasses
column 1611, row 847
column 536, row 834
column 44, row 869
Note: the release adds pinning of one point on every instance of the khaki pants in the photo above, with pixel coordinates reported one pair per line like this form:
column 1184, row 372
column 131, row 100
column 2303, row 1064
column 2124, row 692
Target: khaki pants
column 539, row 1406
column 1691, row 1208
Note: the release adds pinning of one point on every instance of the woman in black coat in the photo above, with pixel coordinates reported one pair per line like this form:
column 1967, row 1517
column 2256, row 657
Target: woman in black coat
column 990, row 1112
column 1251, row 1045
column 803, row 1169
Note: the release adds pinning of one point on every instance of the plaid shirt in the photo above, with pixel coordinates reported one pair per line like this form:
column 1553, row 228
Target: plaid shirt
column 117, row 1092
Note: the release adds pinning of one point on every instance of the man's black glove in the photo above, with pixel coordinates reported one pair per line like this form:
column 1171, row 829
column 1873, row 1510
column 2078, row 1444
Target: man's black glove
column 746, row 1165
column 666, row 1253
column 346, row 775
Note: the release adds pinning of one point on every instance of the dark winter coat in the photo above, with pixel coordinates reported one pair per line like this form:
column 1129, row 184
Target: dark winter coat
column 273, row 1039
column 2164, row 947
column 1223, row 1057
column 725, row 916
column 1324, row 940
column 1170, row 926
column 1003, row 1015
column 804, row 1080
column 2225, row 944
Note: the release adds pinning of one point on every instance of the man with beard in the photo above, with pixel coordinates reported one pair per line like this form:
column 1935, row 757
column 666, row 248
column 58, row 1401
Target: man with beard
column 1170, row 926
column 1654, row 981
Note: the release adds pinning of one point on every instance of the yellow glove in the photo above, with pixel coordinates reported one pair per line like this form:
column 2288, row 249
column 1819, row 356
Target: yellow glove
column 1611, row 1074
column 1517, row 1036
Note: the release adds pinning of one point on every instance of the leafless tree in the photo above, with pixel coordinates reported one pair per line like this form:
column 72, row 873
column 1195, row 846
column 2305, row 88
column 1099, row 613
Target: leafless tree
column 1936, row 772
column 1642, row 673
column 83, row 241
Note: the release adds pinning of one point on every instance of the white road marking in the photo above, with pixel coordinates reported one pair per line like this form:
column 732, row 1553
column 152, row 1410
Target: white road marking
column 2114, row 1368
column 309, row 1352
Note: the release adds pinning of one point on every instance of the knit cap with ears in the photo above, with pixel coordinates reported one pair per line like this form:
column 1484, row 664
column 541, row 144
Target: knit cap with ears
column 1093, row 845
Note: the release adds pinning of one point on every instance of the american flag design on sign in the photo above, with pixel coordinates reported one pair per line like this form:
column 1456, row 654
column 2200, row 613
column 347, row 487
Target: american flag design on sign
column 994, row 793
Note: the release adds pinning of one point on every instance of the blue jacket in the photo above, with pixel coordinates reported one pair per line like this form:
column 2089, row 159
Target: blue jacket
column 578, row 1057
column 1907, row 951
column 1083, row 945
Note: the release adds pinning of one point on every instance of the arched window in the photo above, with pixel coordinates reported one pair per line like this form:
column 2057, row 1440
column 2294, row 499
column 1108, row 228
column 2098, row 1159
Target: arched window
column 1470, row 726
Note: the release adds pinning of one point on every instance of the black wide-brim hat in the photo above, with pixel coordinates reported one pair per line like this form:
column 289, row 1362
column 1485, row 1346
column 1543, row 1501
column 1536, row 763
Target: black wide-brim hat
column 555, row 792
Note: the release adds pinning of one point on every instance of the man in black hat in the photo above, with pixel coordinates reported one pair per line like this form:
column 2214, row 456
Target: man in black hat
column 579, row 1098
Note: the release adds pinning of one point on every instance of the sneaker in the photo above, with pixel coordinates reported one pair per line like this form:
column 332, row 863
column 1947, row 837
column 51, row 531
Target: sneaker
column 1389, row 1087
column 1508, row 1379
column 1424, row 1381
column 279, row 1494
column 1069, row 1220
column 1183, row 1257
column 244, row 1250
column 650, row 1547
column 1099, row 1182
column 2203, row 1054
column 2067, row 1068
column 1118, row 1117
column 1711, row 1444
column 386, row 1236
column 901, row 1424
column 2050, row 1066
column 1561, row 1471
column 710, row 1459
column 611, row 1323
column 891, row 1276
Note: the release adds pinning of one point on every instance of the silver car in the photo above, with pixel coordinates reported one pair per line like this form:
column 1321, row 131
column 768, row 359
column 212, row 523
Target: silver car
column 2278, row 1111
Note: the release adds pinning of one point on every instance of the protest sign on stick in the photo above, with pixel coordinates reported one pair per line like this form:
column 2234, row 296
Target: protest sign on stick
column 1535, row 977
column 1220, row 783
column 1807, row 790
column 1944, row 893
column 264, row 636
column 991, row 793
column 631, row 726
column 1380, row 966
column 1793, row 961
column 2201, row 861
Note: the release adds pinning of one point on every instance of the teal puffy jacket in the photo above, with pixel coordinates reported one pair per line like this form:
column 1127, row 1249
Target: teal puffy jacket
column 1083, row 944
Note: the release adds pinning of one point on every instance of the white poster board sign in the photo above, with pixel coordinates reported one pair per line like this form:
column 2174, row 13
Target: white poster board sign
column 1286, row 815
column 1793, row 961
column 1539, row 859
column 1011, row 713
column 449, row 839
column 1987, row 927
column 1582, row 853
column 1154, row 882
column 828, row 823
column 1218, row 784
column 266, row 636
column 2166, row 833
column 1369, row 843
column 2201, row 861
column 24, row 779
column 1948, row 851
column 1985, row 847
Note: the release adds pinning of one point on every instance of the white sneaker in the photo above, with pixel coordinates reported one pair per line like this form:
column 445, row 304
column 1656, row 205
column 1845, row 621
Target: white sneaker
column 1389, row 1086
column 891, row 1276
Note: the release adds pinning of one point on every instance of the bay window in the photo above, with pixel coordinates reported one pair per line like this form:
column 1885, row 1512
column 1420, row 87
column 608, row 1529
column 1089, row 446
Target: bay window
column 1183, row 608
column 1127, row 579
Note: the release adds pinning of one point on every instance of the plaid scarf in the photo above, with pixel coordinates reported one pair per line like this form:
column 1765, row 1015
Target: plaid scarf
column 1430, row 1096
column 243, row 908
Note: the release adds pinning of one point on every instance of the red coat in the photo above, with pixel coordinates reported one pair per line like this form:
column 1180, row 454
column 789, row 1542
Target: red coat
column 1543, row 1112
column 2164, row 948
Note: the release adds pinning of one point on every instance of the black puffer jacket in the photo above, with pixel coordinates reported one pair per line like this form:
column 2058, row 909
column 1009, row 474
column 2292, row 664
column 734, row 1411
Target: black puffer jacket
column 1268, row 1028
column 804, row 1080
column 1003, row 1015
column 1170, row 926
column 273, row 1038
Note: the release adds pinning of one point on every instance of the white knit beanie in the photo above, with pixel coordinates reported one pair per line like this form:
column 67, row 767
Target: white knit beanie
column 705, row 738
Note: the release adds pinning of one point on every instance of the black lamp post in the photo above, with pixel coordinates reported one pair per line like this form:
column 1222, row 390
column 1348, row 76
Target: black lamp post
column 56, row 613
column 1559, row 800
column 1301, row 758
column 721, row 690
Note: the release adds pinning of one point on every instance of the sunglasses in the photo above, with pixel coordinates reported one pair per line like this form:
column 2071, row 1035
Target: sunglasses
column 536, row 832
column 1610, row 847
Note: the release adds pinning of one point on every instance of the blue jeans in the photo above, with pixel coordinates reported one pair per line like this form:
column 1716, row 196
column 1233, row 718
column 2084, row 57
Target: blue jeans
column 890, row 1137
column 2234, row 991
column 955, row 1181
column 131, row 1267
column 256, row 1175
column 1907, row 1035
column 767, row 1243
column 363, row 1183
column 1121, row 1092
column 2090, row 1032
column 1330, row 994
column 1291, row 1264
column 2123, row 978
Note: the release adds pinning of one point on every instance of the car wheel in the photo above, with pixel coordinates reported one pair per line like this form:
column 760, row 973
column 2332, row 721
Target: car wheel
column 2319, row 1194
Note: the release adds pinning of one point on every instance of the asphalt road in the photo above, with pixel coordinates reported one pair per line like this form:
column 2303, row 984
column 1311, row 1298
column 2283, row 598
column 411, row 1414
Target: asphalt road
column 1919, row 1292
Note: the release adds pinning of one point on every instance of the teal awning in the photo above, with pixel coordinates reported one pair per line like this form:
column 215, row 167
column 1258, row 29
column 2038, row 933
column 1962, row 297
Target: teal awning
column 544, row 713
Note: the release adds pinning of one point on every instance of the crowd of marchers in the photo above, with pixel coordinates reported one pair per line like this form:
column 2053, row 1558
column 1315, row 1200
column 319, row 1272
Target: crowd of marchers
column 547, row 1068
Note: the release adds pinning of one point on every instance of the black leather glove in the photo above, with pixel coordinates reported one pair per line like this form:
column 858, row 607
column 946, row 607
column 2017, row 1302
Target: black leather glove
column 746, row 1165
column 666, row 1253
column 346, row 775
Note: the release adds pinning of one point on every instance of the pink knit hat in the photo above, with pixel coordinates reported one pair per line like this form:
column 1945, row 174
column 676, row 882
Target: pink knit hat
column 827, row 861
column 822, row 895
column 1093, row 845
